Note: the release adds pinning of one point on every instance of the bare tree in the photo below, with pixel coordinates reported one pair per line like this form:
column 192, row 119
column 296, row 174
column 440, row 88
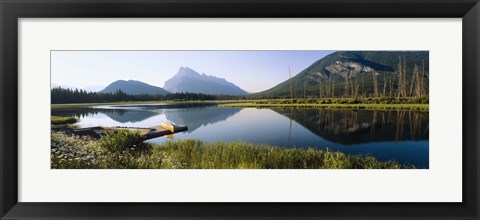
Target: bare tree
column 422, row 86
column 352, row 86
column 355, row 94
column 375, row 84
column 346, row 85
column 295, row 91
column 400, row 78
column 412, row 82
column 290, row 79
column 390, row 86
column 320, row 88
column 333, row 87
column 327, row 88
column 385, row 81
column 305, row 88
column 363, row 87
column 404, row 77
column 418, row 79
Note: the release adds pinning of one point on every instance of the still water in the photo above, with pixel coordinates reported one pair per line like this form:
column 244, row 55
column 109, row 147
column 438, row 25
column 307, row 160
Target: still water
column 388, row 135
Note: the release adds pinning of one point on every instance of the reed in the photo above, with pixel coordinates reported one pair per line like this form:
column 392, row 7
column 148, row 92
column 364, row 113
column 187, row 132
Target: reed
column 74, row 152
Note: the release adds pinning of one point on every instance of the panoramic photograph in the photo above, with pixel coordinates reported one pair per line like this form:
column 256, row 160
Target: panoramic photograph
column 278, row 109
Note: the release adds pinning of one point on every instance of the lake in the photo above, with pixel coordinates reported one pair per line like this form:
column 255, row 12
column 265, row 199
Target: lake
column 399, row 135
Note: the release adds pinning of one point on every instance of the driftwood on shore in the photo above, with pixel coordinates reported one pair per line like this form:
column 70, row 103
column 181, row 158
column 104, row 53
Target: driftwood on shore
column 98, row 131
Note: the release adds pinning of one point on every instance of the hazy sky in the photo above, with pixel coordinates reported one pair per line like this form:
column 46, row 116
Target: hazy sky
column 253, row 71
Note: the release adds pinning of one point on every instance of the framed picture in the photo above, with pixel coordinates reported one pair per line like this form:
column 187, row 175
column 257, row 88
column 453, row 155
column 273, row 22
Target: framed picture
column 229, row 109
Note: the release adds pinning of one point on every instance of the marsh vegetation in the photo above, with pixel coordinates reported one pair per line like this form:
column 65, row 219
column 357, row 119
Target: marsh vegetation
column 124, row 151
column 60, row 120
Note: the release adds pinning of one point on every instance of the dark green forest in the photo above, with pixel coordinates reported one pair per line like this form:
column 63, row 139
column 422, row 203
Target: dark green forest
column 63, row 96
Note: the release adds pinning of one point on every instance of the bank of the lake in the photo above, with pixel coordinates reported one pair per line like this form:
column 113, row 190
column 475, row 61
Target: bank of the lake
column 74, row 105
column 419, row 104
column 123, row 151
column 417, row 107
column 384, row 103
column 62, row 120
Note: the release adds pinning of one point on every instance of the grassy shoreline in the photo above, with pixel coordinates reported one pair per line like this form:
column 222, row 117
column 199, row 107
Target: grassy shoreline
column 329, row 103
column 420, row 107
column 122, row 151
column 61, row 120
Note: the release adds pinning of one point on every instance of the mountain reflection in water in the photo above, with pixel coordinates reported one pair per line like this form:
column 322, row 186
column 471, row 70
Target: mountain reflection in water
column 193, row 115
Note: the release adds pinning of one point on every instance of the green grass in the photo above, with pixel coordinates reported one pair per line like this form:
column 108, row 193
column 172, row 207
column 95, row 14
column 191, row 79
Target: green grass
column 336, row 103
column 360, row 103
column 420, row 107
column 74, row 152
column 60, row 120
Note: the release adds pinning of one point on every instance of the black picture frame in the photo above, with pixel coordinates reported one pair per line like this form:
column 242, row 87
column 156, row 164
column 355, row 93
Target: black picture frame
column 12, row 10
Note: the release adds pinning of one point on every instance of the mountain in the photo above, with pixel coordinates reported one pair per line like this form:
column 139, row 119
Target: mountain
column 188, row 80
column 356, row 67
column 133, row 87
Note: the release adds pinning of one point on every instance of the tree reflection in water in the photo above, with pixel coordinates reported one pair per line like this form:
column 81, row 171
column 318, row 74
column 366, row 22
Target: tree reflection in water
column 363, row 126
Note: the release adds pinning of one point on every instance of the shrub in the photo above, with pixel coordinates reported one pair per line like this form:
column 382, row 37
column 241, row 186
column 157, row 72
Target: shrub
column 385, row 100
column 354, row 101
column 124, row 141
column 424, row 100
column 60, row 120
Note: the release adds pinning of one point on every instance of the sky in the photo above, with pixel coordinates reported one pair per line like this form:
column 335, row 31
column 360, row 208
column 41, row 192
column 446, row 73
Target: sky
column 253, row 71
